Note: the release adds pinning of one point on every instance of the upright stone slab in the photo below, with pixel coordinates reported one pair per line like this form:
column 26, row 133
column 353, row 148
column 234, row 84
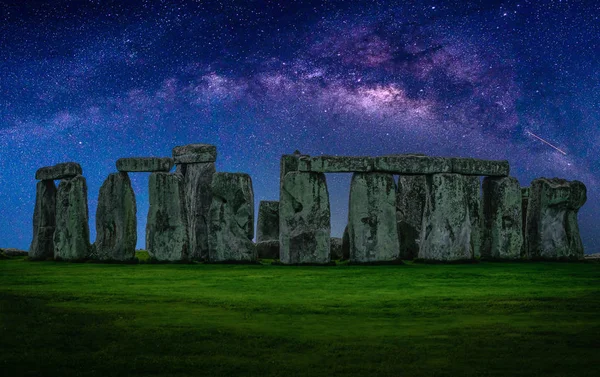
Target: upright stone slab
column 525, row 204
column 116, row 223
column 72, row 233
column 474, row 202
column 336, row 248
column 502, row 231
column 372, row 218
column 552, row 231
column 268, row 221
column 446, row 233
column 346, row 244
column 166, row 228
column 288, row 163
column 410, row 202
column 231, row 226
column 304, row 219
column 44, row 221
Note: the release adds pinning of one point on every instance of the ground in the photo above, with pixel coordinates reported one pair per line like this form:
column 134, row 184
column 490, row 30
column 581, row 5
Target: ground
column 485, row 319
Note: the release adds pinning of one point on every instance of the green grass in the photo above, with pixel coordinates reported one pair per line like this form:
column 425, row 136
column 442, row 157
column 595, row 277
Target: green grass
column 486, row 319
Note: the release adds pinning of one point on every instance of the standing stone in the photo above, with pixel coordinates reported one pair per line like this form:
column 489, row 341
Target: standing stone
column 166, row 228
column 116, row 223
column 502, row 232
column 336, row 248
column 44, row 221
column 372, row 218
column 525, row 203
column 346, row 244
column 231, row 225
column 198, row 197
column 473, row 194
column 552, row 231
column 72, row 234
column 288, row 163
column 446, row 233
column 410, row 202
column 268, row 221
column 304, row 219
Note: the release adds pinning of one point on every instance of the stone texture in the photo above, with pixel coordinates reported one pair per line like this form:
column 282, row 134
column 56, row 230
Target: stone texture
column 446, row 233
column 336, row 164
column 268, row 221
column 58, row 171
column 410, row 202
column 552, row 231
column 346, row 244
column 503, row 220
column 267, row 249
column 166, row 228
column 145, row 164
column 194, row 153
column 231, row 224
column 289, row 163
column 336, row 248
column 12, row 252
column 72, row 233
column 198, row 198
column 473, row 166
column 412, row 164
column 44, row 221
column 372, row 218
column 475, row 204
column 524, row 205
column 304, row 219
column 116, row 222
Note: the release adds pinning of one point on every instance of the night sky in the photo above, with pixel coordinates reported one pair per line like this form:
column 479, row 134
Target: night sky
column 93, row 81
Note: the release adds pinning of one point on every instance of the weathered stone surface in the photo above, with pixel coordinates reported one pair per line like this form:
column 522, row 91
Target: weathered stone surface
column 346, row 244
column 194, row 153
column 145, row 164
column 304, row 219
column 268, row 249
column 412, row 164
column 475, row 204
column 473, row 166
column 336, row 164
column 524, row 205
column 166, row 228
column 198, row 197
column 12, row 252
column 446, row 233
column 268, row 221
column 503, row 220
column 59, row 171
column 336, row 248
column 116, row 222
column 44, row 221
column 410, row 202
column 231, row 220
column 288, row 163
column 552, row 230
column 72, row 233
column 372, row 218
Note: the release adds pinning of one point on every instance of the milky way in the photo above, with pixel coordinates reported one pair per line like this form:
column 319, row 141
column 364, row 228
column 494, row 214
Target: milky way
column 99, row 81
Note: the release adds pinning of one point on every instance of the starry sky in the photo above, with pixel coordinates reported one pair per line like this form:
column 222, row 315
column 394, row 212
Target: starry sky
column 93, row 81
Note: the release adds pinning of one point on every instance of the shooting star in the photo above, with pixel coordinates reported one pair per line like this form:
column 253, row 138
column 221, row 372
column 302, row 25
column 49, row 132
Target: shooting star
column 546, row 142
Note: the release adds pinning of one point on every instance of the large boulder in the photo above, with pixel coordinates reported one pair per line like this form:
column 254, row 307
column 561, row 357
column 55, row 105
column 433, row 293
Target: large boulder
column 372, row 218
column 166, row 228
column 231, row 224
column 446, row 233
column 194, row 153
column 72, row 233
column 198, row 198
column 552, row 231
column 474, row 166
column 502, row 213
column 116, row 223
column 58, row 171
column 410, row 202
column 268, row 221
column 304, row 219
column 145, row 164
column 44, row 221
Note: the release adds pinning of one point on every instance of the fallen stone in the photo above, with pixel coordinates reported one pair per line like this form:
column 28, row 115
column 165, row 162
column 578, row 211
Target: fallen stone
column 336, row 164
column 58, row 171
column 336, row 248
column 552, row 231
column 268, row 221
column 231, row 224
column 412, row 164
column 72, row 233
column 346, row 244
column 195, row 153
column 473, row 166
column 410, row 202
column 12, row 252
column 372, row 218
column 446, row 233
column 304, row 219
column 503, row 220
column 44, row 221
column 267, row 249
column 116, row 222
column 166, row 228
column 145, row 164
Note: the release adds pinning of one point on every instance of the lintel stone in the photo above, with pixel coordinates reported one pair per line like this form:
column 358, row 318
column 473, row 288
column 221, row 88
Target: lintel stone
column 59, row 171
column 473, row 166
column 412, row 164
column 336, row 164
column 145, row 164
column 194, row 153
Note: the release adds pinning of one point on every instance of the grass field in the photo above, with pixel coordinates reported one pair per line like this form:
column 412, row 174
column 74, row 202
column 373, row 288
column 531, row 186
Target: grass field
column 486, row 319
